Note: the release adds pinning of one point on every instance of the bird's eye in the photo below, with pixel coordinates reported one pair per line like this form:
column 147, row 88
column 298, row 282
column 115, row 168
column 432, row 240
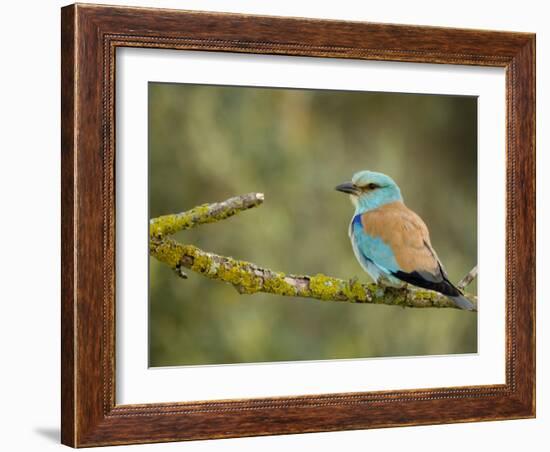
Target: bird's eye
column 372, row 186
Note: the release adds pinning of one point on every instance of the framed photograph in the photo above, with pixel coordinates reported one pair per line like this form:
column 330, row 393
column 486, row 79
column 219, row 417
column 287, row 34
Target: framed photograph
column 281, row 225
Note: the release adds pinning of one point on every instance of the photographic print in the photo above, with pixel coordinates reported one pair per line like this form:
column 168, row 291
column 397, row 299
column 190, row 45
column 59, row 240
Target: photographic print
column 315, row 196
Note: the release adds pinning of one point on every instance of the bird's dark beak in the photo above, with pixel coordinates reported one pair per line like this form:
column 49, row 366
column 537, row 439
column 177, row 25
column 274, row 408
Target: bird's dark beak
column 347, row 187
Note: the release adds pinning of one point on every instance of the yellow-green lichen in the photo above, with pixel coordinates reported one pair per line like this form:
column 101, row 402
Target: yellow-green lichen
column 279, row 286
column 167, row 251
column 431, row 299
column 398, row 297
column 237, row 273
column 170, row 224
column 240, row 275
column 323, row 287
column 356, row 291
column 201, row 263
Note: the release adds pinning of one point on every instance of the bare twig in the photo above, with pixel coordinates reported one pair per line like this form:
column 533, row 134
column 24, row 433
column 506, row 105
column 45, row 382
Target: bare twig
column 467, row 279
column 249, row 278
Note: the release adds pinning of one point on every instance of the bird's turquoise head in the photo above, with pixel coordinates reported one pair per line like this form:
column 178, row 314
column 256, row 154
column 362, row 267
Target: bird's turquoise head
column 369, row 190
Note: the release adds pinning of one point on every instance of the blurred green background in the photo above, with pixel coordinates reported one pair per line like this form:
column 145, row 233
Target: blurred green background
column 208, row 143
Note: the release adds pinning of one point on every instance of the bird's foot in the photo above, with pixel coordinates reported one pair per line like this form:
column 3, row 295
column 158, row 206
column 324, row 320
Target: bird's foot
column 384, row 281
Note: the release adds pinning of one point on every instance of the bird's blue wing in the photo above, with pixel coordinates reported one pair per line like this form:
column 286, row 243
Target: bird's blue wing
column 371, row 250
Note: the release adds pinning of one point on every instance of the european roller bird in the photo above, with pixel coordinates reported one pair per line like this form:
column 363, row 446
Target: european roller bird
column 390, row 241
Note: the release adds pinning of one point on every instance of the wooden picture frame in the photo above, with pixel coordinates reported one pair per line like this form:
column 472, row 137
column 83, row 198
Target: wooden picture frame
column 90, row 36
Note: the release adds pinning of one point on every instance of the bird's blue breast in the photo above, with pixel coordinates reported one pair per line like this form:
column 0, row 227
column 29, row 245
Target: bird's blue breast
column 374, row 255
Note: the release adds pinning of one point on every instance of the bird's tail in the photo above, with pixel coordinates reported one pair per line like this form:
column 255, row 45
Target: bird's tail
column 463, row 303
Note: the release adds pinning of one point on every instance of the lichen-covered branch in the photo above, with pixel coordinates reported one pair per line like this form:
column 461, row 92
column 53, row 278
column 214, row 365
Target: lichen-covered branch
column 206, row 213
column 248, row 278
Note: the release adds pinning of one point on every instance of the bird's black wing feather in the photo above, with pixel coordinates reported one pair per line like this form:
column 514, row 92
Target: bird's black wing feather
column 426, row 280
column 438, row 280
